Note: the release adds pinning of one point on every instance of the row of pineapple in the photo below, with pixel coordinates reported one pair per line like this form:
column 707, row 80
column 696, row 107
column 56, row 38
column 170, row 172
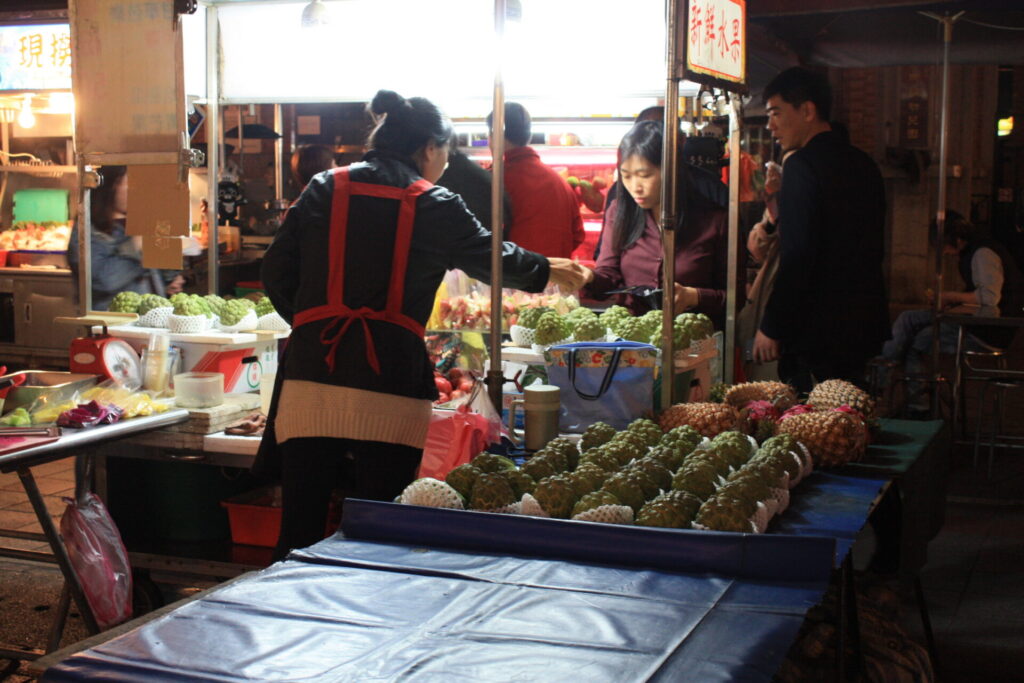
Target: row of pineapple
column 542, row 326
column 190, row 313
column 642, row 476
column 833, row 424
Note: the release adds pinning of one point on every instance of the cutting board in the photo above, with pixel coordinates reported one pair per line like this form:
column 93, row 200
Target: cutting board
column 13, row 444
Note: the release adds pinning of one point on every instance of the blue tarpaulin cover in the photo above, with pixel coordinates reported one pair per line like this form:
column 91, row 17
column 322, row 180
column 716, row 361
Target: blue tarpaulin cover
column 360, row 610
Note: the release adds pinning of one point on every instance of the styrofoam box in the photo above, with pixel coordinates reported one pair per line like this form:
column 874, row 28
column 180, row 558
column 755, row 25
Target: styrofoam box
column 243, row 357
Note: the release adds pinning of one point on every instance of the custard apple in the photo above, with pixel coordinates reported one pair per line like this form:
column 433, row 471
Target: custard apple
column 613, row 315
column 684, row 436
column 529, row 317
column 462, row 477
column 491, row 491
column 723, row 515
column 596, row 434
column 551, row 328
column 186, row 305
column 590, row 329
column 647, row 430
column 601, row 459
column 632, row 329
column 490, row 463
column 247, row 302
column 556, row 496
column 540, row 467
column 150, row 302
column 125, row 302
column 701, row 481
column 626, row 488
column 587, row 478
column 593, row 500
column 607, row 514
column 216, row 303
column 520, row 481
column 232, row 312
column 735, row 447
column 578, row 315
column 656, row 471
column 663, row 514
column 567, row 449
column 264, row 306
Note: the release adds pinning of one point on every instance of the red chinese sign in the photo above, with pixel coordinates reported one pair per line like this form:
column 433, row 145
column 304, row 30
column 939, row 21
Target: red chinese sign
column 716, row 39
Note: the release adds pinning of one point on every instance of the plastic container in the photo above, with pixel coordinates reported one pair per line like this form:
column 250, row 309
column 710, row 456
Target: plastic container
column 155, row 362
column 541, row 403
column 253, row 518
column 199, row 389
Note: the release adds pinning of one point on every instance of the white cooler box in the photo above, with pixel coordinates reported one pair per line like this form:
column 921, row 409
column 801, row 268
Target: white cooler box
column 243, row 357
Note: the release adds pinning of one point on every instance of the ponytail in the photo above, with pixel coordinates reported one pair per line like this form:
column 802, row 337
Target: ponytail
column 406, row 126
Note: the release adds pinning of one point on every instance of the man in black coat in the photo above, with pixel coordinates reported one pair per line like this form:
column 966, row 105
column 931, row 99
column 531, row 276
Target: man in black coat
column 828, row 312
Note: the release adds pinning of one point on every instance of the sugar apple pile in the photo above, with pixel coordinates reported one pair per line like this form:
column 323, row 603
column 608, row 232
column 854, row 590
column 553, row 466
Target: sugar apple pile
column 529, row 317
column 264, row 307
column 190, row 304
column 696, row 325
column 215, row 302
column 589, row 329
column 613, row 315
column 232, row 312
column 551, row 328
column 677, row 479
column 150, row 302
column 125, row 302
column 633, row 329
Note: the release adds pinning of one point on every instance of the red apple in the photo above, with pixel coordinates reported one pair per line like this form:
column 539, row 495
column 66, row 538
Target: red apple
column 454, row 375
column 466, row 385
column 443, row 385
column 457, row 394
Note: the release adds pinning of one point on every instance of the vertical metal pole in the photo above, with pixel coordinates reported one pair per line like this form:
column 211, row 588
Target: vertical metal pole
column 668, row 220
column 84, row 244
column 735, row 121
column 940, row 214
column 213, row 125
column 278, row 153
column 495, row 377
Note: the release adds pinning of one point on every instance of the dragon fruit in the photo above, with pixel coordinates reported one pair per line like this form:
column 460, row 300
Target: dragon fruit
column 758, row 419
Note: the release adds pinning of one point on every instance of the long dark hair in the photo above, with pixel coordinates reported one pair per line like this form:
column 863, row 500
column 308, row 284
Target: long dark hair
column 695, row 188
column 408, row 124
column 644, row 139
column 102, row 198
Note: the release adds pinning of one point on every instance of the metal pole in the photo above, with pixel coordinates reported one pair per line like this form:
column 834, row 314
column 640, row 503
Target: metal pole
column 667, row 224
column 940, row 214
column 84, row 244
column 735, row 120
column 278, row 154
column 213, row 124
column 495, row 376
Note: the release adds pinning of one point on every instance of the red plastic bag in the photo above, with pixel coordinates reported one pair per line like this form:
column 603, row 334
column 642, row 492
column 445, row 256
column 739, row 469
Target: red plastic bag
column 453, row 438
column 99, row 559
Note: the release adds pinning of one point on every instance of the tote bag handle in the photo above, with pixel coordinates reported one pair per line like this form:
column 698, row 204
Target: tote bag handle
column 609, row 375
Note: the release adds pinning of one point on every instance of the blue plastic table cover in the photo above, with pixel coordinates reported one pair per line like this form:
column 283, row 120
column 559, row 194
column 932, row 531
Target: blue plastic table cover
column 348, row 610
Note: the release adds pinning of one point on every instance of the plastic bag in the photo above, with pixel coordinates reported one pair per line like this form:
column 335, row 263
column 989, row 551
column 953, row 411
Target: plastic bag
column 99, row 559
column 453, row 438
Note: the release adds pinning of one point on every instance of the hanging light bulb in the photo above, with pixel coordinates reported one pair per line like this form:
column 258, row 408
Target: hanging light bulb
column 315, row 14
column 26, row 119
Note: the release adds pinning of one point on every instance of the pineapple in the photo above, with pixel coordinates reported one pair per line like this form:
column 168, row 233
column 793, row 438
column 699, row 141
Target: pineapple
column 710, row 419
column 781, row 395
column 833, row 437
column 833, row 393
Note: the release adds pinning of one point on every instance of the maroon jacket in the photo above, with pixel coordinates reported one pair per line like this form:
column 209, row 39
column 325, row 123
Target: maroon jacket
column 701, row 260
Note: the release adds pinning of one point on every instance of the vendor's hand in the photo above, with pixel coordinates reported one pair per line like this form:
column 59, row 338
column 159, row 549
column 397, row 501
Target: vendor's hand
column 567, row 274
column 766, row 349
column 176, row 285
column 685, row 298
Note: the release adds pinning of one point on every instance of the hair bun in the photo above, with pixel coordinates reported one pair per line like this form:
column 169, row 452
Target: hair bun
column 386, row 101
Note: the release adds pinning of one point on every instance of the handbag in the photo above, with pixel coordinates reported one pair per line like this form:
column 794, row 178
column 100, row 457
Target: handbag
column 611, row 382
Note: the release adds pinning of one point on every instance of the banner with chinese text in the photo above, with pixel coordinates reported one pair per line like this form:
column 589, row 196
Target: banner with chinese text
column 715, row 41
column 36, row 57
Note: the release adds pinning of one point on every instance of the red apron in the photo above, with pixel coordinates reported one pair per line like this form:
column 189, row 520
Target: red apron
column 341, row 316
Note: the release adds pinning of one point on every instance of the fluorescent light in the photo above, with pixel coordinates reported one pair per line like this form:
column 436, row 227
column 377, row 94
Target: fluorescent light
column 26, row 119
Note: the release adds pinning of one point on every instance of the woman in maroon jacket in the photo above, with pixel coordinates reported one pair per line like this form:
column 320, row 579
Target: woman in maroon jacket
column 631, row 253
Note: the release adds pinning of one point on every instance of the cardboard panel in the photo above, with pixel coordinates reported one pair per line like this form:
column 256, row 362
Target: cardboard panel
column 158, row 205
column 162, row 252
column 128, row 77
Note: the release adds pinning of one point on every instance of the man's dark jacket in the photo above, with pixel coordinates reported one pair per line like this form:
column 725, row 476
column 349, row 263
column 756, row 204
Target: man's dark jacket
column 829, row 297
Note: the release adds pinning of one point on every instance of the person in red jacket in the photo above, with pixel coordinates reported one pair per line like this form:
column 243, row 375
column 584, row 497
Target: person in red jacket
column 545, row 210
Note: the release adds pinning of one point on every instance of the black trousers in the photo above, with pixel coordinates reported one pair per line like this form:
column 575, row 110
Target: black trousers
column 804, row 370
column 312, row 467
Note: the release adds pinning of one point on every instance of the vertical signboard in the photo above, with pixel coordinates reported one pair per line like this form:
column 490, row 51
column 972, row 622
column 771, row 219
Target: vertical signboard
column 713, row 36
column 128, row 77
column 914, row 107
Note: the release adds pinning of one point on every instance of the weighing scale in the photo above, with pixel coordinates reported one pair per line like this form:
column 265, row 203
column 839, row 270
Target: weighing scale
column 103, row 354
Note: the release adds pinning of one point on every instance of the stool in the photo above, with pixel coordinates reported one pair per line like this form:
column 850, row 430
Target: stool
column 968, row 362
column 1000, row 385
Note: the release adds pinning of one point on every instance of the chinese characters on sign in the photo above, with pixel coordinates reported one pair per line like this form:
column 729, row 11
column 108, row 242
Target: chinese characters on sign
column 716, row 39
column 35, row 57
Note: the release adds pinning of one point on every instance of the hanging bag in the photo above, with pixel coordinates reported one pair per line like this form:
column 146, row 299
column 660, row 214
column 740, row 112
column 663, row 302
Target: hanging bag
column 610, row 382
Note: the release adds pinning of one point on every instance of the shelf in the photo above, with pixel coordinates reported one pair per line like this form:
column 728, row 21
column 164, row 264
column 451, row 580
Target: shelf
column 40, row 169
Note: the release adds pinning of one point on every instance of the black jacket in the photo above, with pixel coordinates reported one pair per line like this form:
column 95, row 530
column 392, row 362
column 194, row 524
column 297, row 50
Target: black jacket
column 445, row 236
column 829, row 296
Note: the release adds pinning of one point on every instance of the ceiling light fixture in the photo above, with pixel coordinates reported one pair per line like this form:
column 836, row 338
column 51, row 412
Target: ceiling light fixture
column 315, row 14
column 26, row 119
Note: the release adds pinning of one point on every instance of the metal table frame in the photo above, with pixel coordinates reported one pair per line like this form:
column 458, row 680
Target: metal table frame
column 78, row 444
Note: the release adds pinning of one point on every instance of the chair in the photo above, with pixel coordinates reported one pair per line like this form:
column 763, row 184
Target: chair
column 999, row 376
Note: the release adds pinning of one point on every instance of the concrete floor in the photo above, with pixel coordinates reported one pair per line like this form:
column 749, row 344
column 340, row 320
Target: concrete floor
column 973, row 581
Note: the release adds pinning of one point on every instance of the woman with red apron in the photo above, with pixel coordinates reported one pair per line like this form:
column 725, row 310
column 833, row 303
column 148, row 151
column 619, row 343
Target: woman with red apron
column 355, row 267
